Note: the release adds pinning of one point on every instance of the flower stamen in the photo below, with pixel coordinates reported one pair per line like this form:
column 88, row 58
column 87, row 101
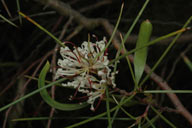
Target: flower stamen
column 87, row 74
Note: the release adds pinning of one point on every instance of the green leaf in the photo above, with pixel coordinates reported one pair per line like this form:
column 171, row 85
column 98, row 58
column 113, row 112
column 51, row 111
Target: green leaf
column 47, row 98
column 8, row 21
column 187, row 62
column 163, row 118
column 108, row 109
column 140, row 56
column 150, row 122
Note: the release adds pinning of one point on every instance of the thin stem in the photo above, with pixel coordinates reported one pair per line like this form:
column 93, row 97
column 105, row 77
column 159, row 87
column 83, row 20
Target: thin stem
column 108, row 108
column 113, row 34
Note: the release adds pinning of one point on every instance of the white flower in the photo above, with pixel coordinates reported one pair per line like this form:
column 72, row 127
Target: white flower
column 89, row 74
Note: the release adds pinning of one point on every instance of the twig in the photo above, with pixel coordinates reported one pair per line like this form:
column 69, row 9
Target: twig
column 65, row 10
column 57, row 24
column 94, row 6
column 176, row 61
column 18, row 75
column 75, row 32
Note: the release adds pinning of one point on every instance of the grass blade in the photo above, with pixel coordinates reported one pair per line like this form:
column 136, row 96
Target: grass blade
column 31, row 94
column 150, row 122
column 187, row 62
column 127, row 35
column 108, row 108
column 19, row 9
column 163, row 118
column 113, row 34
column 8, row 21
column 167, row 91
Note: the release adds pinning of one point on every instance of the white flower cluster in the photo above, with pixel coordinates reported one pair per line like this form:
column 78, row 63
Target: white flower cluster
column 89, row 75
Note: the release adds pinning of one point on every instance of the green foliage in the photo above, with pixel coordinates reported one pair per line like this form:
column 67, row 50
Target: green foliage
column 187, row 62
column 8, row 21
column 140, row 56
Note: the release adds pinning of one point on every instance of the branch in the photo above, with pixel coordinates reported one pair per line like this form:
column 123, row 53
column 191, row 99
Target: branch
column 65, row 10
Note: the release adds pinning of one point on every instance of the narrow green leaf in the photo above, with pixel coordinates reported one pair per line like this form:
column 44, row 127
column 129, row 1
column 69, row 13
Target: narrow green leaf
column 149, row 44
column 8, row 21
column 128, row 114
column 150, row 122
column 167, row 91
column 31, row 94
column 19, row 9
column 47, row 98
column 140, row 56
column 187, row 62
column 163, row 118
column 66, row 118
column 116, row 111
column 8, row 64
column 108, row 108
column 113, row 34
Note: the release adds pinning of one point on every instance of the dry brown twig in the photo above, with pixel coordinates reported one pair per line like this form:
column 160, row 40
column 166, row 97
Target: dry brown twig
column 176, row 62
column 90, row 23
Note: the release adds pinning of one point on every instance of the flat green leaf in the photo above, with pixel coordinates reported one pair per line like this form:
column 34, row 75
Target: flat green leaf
column 47, row 98
column 140, row 56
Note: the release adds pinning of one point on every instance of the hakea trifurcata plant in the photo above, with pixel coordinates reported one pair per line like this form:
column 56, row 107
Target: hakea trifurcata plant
column 88, row 75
